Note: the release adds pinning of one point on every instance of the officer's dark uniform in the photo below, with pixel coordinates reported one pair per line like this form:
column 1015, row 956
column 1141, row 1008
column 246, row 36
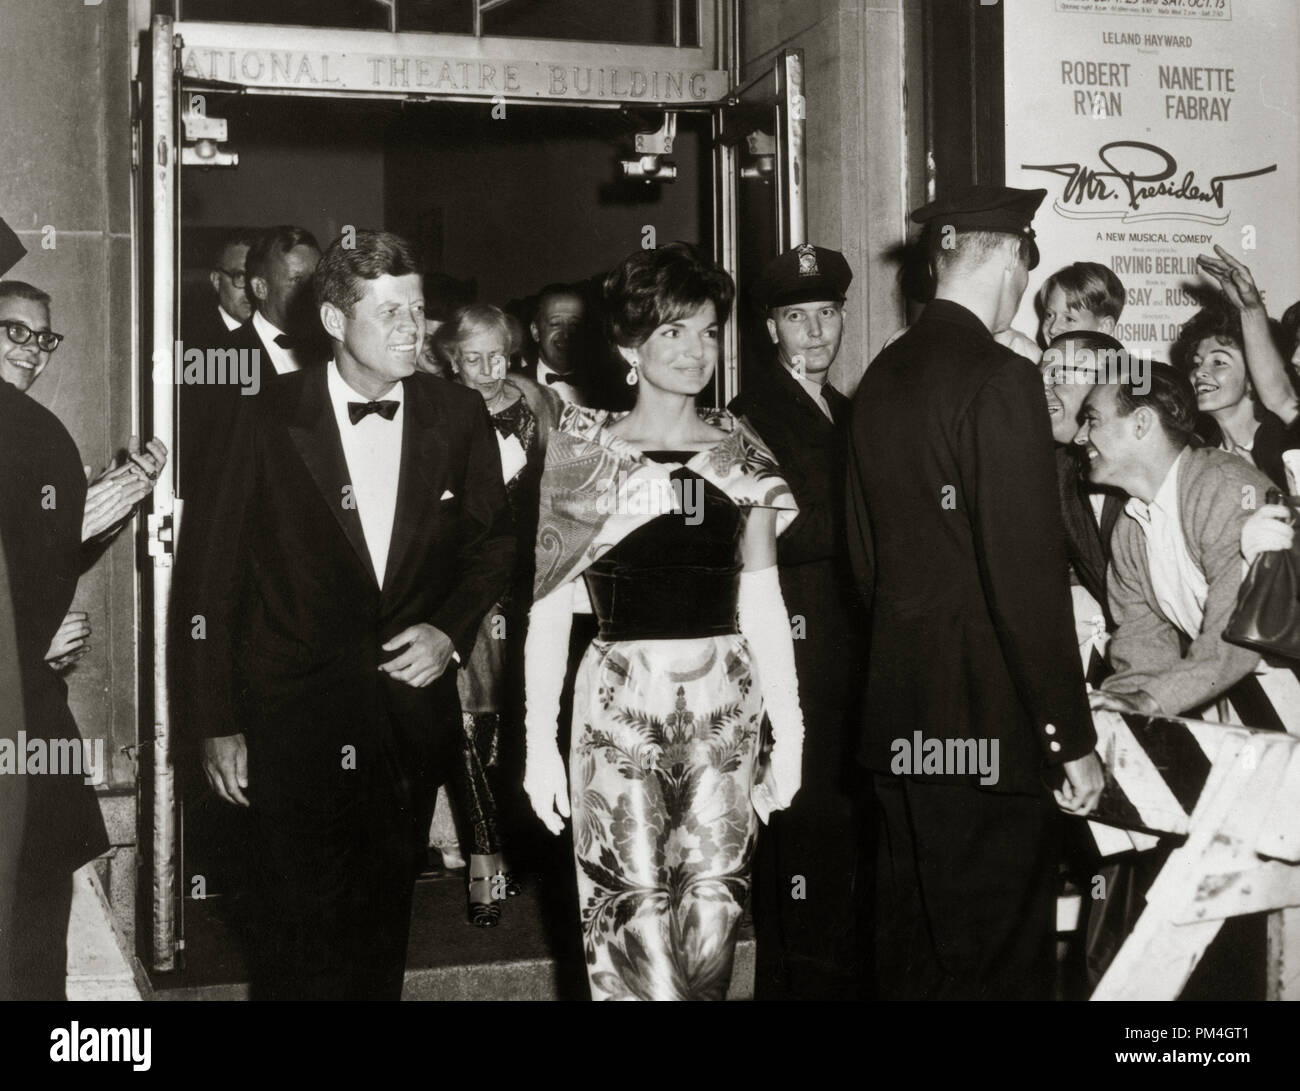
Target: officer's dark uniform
column 806, row 874
column 957, row 544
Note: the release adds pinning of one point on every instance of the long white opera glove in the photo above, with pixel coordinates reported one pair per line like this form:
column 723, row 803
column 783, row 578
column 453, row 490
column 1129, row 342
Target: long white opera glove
column 766, row 627
column 546, row 656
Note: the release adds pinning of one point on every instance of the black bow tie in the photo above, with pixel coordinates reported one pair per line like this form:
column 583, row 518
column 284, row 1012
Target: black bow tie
column 556, row 377
column 286, row 342
column 359, row 411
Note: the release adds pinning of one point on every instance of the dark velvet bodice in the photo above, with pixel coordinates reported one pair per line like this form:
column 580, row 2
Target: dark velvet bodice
column 672, row 578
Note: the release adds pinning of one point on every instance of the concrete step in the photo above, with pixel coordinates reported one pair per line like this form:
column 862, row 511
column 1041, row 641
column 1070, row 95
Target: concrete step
column 533, row 954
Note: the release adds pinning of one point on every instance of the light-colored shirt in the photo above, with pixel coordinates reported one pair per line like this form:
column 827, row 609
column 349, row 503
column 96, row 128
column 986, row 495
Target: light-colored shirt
column 1178, row 583
column 567, row 391
column 227, row 320
column 372, row 449
column 281, row 358
column 814, row 390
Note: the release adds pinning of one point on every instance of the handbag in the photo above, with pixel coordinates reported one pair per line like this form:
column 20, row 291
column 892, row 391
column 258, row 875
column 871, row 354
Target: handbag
column 1267, row 617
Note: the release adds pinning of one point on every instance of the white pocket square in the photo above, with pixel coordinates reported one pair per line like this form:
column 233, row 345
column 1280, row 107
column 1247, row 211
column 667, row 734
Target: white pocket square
column 447, row 494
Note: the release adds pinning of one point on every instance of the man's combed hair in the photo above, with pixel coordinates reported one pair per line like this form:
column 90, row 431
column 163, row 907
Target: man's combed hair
column 372, row 254
column 652, row 287
column 243, row 237
column 1163, row 390
column 275, row 240
column 1089, row 350
column 1087, row 286
column 555, row 288
column 20, row 289
column 970, row 247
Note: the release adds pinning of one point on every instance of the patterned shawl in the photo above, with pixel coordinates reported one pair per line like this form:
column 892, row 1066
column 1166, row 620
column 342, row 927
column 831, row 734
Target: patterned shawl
column 594, row 487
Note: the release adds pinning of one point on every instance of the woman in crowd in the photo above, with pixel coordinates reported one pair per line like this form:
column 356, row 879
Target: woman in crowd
column 475, row 344
column 1233, row 356
column 670, row 515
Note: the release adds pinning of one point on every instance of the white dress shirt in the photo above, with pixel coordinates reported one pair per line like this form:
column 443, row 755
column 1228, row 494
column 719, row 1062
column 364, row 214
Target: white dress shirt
column 565, row 390
column 372, row 449
column 281, row 358
column 1178, row 583
column 231, row 323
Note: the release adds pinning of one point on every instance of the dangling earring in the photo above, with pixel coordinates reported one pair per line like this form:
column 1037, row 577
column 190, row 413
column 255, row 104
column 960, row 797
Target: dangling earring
column 632, row 375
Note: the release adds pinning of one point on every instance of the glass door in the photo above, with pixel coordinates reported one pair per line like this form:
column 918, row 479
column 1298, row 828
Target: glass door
column 760, row 206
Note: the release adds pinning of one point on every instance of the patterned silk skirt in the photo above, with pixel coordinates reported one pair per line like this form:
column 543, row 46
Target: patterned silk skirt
column 665, row 742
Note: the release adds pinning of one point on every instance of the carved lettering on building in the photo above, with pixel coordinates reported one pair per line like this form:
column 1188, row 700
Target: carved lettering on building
column 450, row 75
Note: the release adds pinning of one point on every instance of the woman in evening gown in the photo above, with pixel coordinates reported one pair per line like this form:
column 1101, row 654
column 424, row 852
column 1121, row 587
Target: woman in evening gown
column 669, row 514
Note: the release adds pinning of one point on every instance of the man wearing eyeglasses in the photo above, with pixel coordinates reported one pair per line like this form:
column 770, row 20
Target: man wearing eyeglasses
column 47, row 515
column 26, row 345
column 212, row 326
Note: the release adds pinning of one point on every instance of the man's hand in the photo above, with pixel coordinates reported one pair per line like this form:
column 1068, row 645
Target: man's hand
column 111, row 497
column 225, row 764
column 115, row 492
column 69, row 643
column 1083, row 784
column 1135, row 703
column 425, row 655
column 151, row 460
column 1235, row 280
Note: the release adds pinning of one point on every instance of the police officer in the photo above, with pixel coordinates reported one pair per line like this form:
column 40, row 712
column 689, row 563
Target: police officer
column 806, row 922
column 974, row 700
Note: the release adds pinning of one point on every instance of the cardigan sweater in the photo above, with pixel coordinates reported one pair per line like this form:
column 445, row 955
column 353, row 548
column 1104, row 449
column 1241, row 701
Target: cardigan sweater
column 1217, row 493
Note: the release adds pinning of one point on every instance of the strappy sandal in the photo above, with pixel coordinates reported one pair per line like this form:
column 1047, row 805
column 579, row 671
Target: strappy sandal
column 483, row 914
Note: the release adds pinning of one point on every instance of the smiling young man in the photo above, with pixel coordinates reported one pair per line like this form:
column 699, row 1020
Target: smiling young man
column 1176, row 560
column 808, row 948
column 342, row 562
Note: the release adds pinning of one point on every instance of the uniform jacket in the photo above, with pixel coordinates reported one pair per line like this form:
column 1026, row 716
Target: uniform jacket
column 816, row 582
column 1146, row 648
column 957, row 546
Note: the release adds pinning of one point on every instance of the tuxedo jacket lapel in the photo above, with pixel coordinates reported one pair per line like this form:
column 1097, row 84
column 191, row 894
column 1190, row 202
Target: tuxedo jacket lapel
column 315, row 433
column 423, row 449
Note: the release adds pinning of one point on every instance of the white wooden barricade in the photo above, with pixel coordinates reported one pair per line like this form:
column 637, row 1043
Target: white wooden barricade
column 1234, row 792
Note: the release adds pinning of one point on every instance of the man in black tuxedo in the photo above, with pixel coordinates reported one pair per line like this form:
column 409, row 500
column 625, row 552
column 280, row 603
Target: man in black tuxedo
column 283, row 335
column 344, row 558
column 555, row 327
column 974, row 690
column 807, row 865
column 284, row 325
column 228, row 307
column 210, row 323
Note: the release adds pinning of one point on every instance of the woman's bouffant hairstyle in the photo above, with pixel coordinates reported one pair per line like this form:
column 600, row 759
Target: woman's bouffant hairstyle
column 652, row 287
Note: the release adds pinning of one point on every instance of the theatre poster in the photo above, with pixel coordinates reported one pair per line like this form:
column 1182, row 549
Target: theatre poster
column 1158, row 128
